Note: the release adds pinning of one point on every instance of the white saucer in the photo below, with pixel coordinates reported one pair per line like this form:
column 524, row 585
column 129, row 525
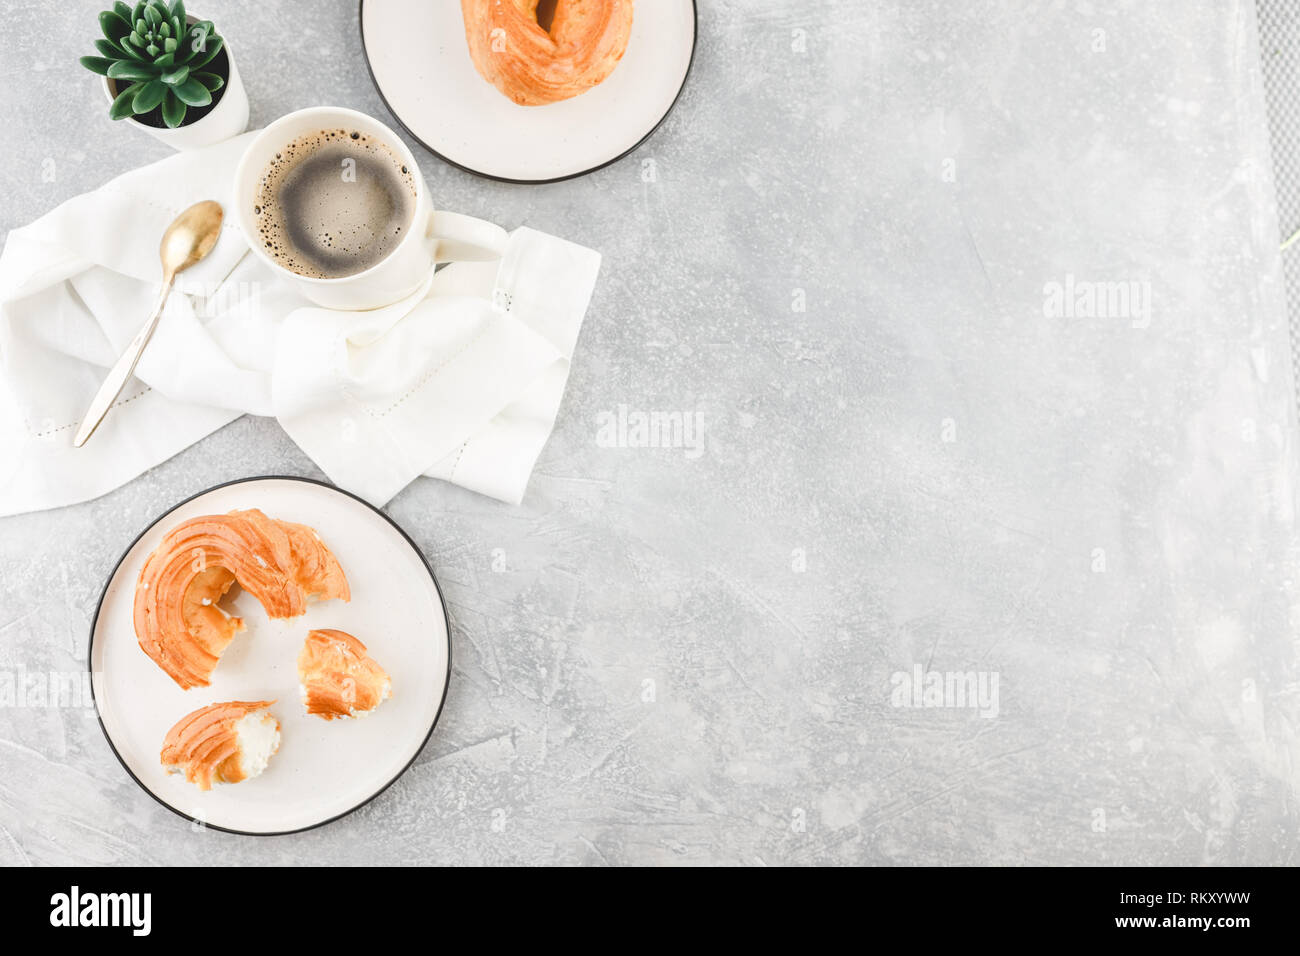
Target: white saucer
column 421, row 66
column 324, row 769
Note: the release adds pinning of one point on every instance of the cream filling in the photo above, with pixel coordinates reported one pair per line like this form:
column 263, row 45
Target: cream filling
column 259, row 738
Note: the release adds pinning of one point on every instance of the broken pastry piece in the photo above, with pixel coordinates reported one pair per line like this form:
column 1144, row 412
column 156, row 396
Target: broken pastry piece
column 338, row 678
column 177, row 618
column 222, row 743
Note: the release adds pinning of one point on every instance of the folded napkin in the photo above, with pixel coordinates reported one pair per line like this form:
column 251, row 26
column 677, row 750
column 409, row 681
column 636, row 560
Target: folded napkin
column 460, row 381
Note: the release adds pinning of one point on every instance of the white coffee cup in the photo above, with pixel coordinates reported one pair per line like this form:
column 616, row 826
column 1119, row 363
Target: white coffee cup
column 433, row 236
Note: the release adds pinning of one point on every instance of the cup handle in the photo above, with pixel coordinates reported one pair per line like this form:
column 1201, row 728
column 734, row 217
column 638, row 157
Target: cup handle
column 460, row 238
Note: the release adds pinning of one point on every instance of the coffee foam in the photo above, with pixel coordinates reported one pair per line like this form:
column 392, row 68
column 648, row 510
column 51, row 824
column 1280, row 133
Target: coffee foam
column 333, row 203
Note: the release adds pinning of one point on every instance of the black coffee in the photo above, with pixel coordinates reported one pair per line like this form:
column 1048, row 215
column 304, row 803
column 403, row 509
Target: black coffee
column 334, row 203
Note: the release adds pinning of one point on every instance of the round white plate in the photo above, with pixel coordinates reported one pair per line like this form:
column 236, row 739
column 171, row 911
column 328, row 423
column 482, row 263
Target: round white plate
column 324, row 769
column 420, row 63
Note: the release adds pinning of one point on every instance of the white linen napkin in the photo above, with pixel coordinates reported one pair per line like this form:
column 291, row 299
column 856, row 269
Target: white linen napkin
column 460, row 381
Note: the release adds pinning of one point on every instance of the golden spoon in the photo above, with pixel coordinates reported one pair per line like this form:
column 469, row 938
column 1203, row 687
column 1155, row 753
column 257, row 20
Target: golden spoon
column 188, row 239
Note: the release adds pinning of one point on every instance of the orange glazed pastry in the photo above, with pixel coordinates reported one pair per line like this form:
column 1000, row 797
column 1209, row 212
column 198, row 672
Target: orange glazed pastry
column 533, row 66
column 177, row 619
column 338, row 678
column 222, row 743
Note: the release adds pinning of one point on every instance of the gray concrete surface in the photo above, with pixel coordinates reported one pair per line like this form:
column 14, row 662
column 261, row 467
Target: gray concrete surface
column 1279, row 41
column 917, row 455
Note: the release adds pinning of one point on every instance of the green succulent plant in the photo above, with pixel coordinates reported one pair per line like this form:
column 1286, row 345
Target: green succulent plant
column 156, row 59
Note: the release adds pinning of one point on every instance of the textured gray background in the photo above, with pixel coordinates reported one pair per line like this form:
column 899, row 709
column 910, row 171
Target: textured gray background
column 1110, row 529
column 1279, row 40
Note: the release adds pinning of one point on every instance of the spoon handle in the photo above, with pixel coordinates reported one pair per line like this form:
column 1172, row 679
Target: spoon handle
column 121, row 371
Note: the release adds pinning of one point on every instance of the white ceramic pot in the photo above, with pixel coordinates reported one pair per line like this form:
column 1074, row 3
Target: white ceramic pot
column 227, row 119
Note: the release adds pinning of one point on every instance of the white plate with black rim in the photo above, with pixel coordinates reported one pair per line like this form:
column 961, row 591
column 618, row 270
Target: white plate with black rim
column 324, row 769
column 420, row 62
